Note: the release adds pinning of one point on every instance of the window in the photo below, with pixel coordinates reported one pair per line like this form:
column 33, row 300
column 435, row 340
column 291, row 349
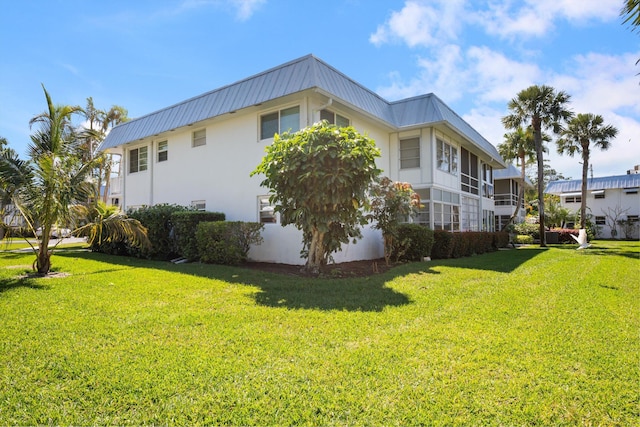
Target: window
column 469, row 172
column 199, row 205
column 199, row 138
column 470, row 214
column 409, row 153
column 573, row 199
column 598, row 194
column 633, row 218
column 487, row 181
column 334, row 118
column 422, row 216
column 266, row 213
column 280, row 121
column 601, row 220
column 446, row 210
column 633, row 190
column 163, row 151
column 488, row 220
column 447, row 157
column 138, row 160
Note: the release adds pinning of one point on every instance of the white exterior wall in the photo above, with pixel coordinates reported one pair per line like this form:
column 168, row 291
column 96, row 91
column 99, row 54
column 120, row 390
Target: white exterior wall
column 614, row 200
column 218, row 173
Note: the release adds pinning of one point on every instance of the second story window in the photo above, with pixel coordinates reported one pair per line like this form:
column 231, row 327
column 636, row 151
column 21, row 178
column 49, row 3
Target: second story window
column 409, row 153
column 447, row 157
column 199, row 138
column 334, row 118
column 487, row 181
column 163, row 151
column 280, row 121
column 138, row 160
column 469, row 172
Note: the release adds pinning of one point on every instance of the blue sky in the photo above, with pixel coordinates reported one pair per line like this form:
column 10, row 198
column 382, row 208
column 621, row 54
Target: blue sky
column 475, row 55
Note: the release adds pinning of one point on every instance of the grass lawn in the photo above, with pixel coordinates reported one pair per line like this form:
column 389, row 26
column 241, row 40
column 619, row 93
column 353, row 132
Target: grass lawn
column 520, row 337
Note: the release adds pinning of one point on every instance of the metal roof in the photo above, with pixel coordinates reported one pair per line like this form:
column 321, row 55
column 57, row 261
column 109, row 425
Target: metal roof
column 307, row 72
column 511, row 172
column 598, row 183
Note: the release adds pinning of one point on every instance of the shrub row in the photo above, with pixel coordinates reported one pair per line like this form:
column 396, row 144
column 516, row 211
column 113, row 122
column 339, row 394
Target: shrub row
column 185, row 225
column 564, row 234
column 414, row 242
column 457, row 245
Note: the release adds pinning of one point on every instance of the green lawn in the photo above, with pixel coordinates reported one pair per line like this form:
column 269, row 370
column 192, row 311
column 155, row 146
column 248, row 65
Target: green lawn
column 520, row 337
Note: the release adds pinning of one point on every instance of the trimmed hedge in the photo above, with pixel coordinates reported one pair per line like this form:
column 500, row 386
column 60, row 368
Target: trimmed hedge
column 185, row 227
column 159, row 223
column 457, row 245
column 564, row 234
column 414, row 242
column 226, row 242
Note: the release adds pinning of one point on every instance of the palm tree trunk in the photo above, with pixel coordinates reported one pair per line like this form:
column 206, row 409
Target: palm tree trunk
column 585, row 171
column 537, row 135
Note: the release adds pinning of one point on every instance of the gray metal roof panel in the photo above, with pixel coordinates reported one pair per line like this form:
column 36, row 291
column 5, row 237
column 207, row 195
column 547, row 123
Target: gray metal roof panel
column 295, row 76
column 596, row 183
column 511, row 172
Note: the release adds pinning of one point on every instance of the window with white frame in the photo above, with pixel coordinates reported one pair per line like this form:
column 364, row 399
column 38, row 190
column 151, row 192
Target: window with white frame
column 446, row 157
column 487, row 181
column 199, row 138
column 266, row 211
column 633, row 218
column 470, row 214
column 334, row 118
column 488, row 220
column 287, row 120
column 598, row 194
column 469, row 172
column 631, row 190
column 601, row 220
column 422, row 216
column 573, row 199
column 410, row 153
column 163, row 151
column 446, row 210
column 199, row 205
column 138, row 159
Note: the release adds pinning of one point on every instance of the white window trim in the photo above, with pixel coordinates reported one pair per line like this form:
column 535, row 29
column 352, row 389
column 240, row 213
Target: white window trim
column 138, row 169
column 279, row 111
column 199, row 205
column 193, row 138
column 264, row 206
column 158, row 150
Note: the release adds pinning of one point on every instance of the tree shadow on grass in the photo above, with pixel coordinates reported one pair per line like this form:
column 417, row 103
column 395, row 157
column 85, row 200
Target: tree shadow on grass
column 501, row 261
column 369, row 294
column 21, row 282
column 600, row 249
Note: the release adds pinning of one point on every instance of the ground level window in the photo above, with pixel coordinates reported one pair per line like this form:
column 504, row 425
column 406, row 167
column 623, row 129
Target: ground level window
column 573, row 199
column 601, row 220
column 488, row 220
column 266, row 211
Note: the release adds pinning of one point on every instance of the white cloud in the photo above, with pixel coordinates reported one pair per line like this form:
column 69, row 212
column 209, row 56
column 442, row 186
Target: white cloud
column 421, row 23
column 246, row 8
column 535, row 18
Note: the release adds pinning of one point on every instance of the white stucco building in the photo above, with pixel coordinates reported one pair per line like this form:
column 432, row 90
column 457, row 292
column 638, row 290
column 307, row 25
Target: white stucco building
column 200, row 152
column 609, row 199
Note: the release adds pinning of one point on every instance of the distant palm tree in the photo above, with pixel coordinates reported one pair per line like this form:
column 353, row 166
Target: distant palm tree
column 518, row 145
column 539, row 107
column 582, row 131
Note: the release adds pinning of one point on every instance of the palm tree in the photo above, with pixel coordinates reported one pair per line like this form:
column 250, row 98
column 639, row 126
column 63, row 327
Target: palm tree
column 539, row 107
column 582, row 131
column 107, row 224
column 518, row 145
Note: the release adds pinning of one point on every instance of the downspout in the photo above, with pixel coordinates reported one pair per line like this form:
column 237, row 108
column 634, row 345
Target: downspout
column 320, row 108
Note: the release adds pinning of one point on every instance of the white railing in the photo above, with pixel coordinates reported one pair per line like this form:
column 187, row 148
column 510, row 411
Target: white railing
column 506, row 200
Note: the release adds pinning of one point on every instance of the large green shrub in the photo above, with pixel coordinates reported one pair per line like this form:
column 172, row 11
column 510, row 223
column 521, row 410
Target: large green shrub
column 532, row 230
column 442, row 245
column 158, row 221
column 185, row 226
column 413, row 243
column 226, row 242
